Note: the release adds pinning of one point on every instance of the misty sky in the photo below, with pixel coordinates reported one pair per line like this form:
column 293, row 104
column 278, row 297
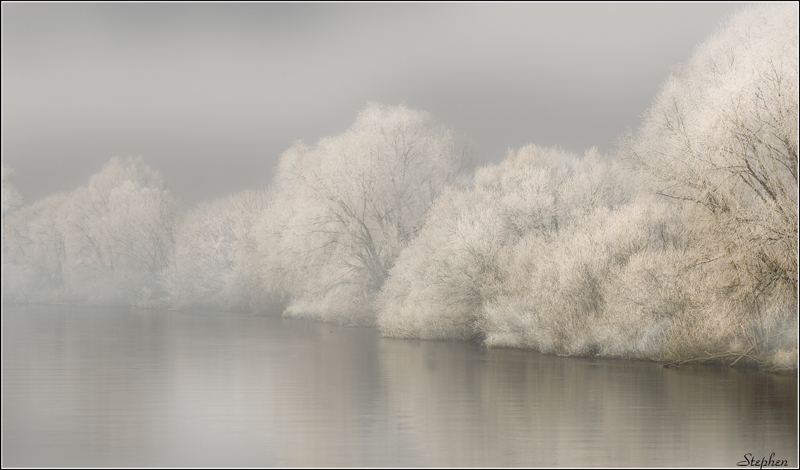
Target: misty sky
column 210, row 95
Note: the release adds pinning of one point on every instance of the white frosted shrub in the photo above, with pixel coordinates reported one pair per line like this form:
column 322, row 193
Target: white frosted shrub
column 434, row 289
column 441, row 282
column 535, row 255
column 208, row 270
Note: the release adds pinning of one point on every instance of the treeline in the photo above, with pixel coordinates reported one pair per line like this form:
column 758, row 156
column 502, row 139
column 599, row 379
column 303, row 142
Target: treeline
column 106, row 243
column 682, row 245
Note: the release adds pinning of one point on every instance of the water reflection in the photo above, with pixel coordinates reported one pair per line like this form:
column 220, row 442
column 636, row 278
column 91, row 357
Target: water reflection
column 120, row 388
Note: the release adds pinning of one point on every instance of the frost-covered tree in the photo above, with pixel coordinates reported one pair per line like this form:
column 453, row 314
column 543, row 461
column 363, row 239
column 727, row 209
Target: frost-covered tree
column 105, row 243
column 208, row 270
column 33, row 252
column 10, row 196
column 344, row 209
column 721, row 141
column 547, row 251
column 442, row 280
column 119, row 233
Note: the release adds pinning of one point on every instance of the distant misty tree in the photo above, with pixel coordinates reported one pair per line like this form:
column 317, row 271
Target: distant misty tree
column 208, row 270
column 10, row 196
column 344, row 209
column 105, row 243
column 33, row 252
column 119, row 233
column 721, row 138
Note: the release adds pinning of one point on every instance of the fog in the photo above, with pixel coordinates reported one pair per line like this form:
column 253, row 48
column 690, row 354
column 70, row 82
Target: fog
column 212, row 94
column 677, row 244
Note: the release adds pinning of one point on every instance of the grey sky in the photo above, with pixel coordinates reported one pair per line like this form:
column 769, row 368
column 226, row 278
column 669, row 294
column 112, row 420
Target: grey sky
column 210, row 95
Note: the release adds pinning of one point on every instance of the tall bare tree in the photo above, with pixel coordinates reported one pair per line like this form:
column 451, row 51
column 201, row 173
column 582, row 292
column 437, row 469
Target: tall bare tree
column 721, row 138
column 344, row 208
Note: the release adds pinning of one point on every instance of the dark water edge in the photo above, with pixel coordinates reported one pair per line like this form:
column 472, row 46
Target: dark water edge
column 121, row 387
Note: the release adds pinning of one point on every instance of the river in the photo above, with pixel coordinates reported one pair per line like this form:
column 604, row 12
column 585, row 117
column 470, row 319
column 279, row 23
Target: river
column 121, row 387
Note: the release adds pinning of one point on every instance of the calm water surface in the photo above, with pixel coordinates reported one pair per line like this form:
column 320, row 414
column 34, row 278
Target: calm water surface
column 99, row 387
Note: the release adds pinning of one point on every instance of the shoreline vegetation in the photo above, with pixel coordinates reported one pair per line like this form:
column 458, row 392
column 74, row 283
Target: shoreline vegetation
column 679, row 247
